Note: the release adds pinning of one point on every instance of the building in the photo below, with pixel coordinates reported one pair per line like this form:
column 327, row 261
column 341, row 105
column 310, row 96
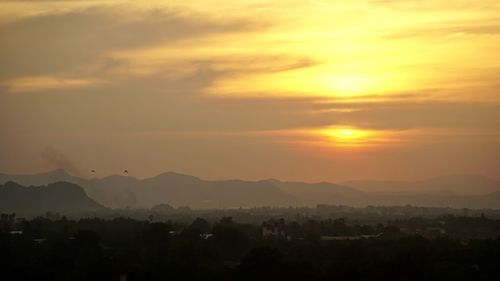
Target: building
column 274, row 229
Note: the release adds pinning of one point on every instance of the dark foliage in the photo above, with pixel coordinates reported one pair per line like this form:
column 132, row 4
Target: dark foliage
column 98, row 249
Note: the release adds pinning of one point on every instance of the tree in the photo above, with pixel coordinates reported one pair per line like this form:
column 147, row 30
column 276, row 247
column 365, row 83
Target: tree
column 200, row 226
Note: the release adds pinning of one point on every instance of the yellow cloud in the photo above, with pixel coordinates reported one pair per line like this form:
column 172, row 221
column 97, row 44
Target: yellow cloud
column 360, row 48
column 41, row 83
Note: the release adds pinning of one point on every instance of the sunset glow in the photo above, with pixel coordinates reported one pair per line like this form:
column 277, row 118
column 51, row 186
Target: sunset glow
column 348, row 136
column 148, row 80
column 250, row 139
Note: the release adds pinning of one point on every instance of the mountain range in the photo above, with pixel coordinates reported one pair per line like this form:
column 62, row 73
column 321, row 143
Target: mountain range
column 462, row 191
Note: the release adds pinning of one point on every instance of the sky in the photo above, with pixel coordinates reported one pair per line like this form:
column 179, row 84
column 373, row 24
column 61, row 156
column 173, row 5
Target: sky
column 294, row 90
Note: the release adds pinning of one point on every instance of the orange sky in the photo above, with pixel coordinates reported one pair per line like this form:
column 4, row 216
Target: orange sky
column 302, row 90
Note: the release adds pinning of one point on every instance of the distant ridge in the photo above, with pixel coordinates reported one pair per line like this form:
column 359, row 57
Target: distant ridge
column 172, row 188
column 118, row 191
column 322, row 192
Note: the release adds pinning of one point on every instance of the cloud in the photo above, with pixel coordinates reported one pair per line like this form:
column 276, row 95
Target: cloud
column 53, row 43
column 420, row 114
column 157, row 105
column 41, row 83
column 174, row 84
column 58, row 160
column 446, row 31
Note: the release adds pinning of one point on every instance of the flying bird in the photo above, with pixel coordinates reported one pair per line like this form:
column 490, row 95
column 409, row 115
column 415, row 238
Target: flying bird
column 125, row 171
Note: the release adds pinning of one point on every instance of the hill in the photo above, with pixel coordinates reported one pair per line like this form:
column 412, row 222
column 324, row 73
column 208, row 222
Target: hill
column 61, row 197
column 171, row 188
column 183, row 190
column 176, row 189
column 321, row 193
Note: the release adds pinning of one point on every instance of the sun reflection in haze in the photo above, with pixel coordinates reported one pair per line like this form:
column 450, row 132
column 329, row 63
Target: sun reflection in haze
column 349, row 136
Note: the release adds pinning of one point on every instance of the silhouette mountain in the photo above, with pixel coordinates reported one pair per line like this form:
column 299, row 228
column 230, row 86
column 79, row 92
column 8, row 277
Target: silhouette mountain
column 178, row 190
column 62, row 197
column 321, row 193
column 171, row 188
column 183, row 190
column 114, row 191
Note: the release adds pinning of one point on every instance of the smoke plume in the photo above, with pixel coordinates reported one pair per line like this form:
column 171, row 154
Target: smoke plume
column 60, row 161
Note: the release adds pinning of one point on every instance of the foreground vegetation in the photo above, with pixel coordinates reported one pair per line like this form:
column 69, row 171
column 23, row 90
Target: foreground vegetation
column 441, row 248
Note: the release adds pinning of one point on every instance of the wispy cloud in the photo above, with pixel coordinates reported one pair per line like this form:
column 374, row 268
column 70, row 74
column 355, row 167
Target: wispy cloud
column 285, row 81
column 44, row 83
column 50, row 43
